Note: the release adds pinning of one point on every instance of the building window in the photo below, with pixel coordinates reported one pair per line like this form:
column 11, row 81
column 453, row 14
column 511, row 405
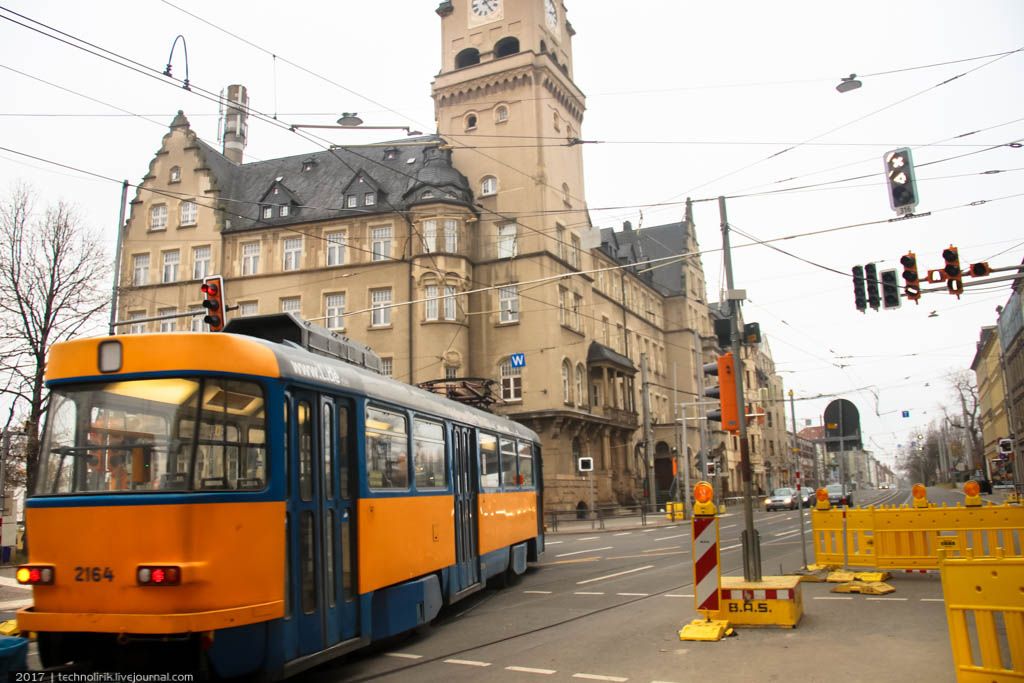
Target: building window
column 292, row 253
column 577, row 312
column 451, row 236
column 140, row 270
column 563, row 306
column 508, row 304
column 197, row 324
column 605, row 336
column 188, row 213
column 471, row 122
column 451, row 372
column 449, row 302
column 565, row 194
column 380, row 244
column 250, row 258
column 200, row 262
column 158, row 217
column 511, row 382
column 507, row 247
column 247, row 308
column 581, row 398
column 488, row 186
column 268, row 212
column 351, row 201
column 136, row 328
column 430, row 305
column 292, row 304
column 175, row 174
column 575, row 255
column 380, row 307
column 429, row 236
column 336, row 248
column 560, row 239
column 168, row 325
column 284, row 210
column 334, row 310
column 172, row 259
column 566, row 387
column 555, row 120
column 369, row 199
column 501, row 114
column 387, row 366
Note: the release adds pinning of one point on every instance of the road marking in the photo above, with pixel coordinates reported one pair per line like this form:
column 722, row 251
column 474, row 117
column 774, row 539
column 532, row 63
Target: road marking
column 612, row 576
column 579, row 552
column 595, row 677
column 538, row 592
column 731, row 547
column 652, row 553
column 729, row 526
column 528, row 670
column 466, row 662
column 891, row 599
column 831, row 597
column 546, row 542
column 589, row 538
column 634, row 595
column 788, row 533
column 402, row 655
column 624, row 533
column 661, row 550
column 933, row 600
column 647, row 531
column 587, row 593
column 668, row 538
column 678, row 595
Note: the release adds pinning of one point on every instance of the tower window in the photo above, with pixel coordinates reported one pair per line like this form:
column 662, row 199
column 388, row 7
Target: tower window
column 467, row 57
column 505, row 47
column 501, row 114
column 488, row 186
column 470, row 121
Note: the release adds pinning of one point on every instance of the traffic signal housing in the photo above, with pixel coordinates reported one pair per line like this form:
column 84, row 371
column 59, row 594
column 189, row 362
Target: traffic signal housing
column 979, row 269
column 890, row 289
column 213, row 302
column 911, row 278
column 900, row 180
column 728, row 413
column 954, row 276
column 860, row 298
column 871, row 280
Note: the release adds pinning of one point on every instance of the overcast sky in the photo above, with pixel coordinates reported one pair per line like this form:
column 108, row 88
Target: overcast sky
column 695, row 99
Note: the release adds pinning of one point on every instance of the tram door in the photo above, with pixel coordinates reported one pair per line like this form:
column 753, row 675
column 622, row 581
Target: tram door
column 464, row 468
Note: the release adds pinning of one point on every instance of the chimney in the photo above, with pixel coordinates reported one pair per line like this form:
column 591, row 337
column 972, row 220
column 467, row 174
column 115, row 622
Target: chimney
column 233, row 126
column 627, row 226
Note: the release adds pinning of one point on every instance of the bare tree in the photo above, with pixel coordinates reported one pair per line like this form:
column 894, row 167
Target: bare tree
column 52, row 276
column 965, row 392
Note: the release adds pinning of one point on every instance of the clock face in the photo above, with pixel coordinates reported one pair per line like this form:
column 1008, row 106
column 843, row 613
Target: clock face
column 551, row 13
column 485, row 8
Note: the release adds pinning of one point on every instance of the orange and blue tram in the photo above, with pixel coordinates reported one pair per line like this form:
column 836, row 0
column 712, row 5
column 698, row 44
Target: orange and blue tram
column 256, row 503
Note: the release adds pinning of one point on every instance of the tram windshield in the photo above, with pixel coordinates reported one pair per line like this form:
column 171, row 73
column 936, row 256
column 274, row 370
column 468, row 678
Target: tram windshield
column 151, row 435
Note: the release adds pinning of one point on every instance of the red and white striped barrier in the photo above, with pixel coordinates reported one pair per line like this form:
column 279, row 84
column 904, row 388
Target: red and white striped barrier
column 747, row 595
column 706, row 565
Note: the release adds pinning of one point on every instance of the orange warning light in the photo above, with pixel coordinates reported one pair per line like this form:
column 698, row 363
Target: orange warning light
column 822, row 494
column 972, row 488
column 919, row 491
column 703, row 492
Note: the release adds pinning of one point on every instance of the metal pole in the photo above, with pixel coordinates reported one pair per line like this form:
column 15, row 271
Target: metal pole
column 5, row 453
column 117, row 257
column 702, row 423
column 800, row 498
column 1018, row 471
column 751, row 540
column 652, row 495
column 682, row 458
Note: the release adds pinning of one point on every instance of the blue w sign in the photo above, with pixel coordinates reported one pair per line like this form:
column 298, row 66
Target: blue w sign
column 518, row 360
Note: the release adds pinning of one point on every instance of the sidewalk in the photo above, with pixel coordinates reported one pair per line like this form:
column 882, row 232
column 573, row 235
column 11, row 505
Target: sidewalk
column 618, row 523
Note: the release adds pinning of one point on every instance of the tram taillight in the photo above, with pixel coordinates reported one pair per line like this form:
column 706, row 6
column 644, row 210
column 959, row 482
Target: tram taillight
column 34, row 576
column 158, row 576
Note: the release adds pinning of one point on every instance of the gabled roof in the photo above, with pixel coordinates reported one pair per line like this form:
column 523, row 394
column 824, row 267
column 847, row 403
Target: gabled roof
column 639, row 247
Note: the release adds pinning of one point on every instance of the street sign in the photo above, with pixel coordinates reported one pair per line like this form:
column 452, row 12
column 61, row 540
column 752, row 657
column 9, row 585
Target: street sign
column 518, row 360
column 586, row 464
column 906, row 413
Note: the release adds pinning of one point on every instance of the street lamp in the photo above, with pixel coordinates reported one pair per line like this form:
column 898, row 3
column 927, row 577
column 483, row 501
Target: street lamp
column 352, row 120
column 848, row 83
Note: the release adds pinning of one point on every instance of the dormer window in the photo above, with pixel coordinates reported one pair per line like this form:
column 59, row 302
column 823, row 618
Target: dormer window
column 351, row 201
column 284, row 210
column 427, row 194
column 268, row 212
column 390, row 153
column 277, row 190
column 308, row 165
column 370, row 198
column 175, row 174
column 471, row 122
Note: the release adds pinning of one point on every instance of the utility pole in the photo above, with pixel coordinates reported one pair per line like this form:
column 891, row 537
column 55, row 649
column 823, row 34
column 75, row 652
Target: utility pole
column 652, row 495
column 751, row 540
column 117, row 257
column 796, row 456
column 702, row 423
column 682, row 460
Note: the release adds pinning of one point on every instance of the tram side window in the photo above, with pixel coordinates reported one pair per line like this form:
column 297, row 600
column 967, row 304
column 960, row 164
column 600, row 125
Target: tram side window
column 489, row 463
column 387, row 444
column 526, row 463
column 508, row 463
column 428, row 451
column 223, row 459
column 304, row 422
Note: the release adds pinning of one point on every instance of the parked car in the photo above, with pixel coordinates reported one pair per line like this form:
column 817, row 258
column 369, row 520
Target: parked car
column 835, row 495
column 781, row 499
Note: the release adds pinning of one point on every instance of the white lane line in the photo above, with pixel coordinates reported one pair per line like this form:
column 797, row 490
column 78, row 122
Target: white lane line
column 595, row 677
column 588, row 593
column 466, row 662
column 624, row 533
column 933, row 600
column 678, row 595
column 731, row 547
column 664, row 548
column 669, row 538
column 580, row 552
column 612, row 576
column 402, row 655
column 589, row 538
column 729, row 526
column 528, row 670
column 831, row 597
column 547, row 542
column 647, row 531
column 787, row 533
column 674, row 526
column 537, row 592
column 891, row 599
column 634, row 595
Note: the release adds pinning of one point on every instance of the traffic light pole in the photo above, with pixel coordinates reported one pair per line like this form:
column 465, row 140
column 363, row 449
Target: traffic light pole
column 751, row 541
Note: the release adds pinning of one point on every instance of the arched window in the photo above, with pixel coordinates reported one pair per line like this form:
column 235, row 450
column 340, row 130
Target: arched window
column 500, row 114
column 467, row 57
column 470, row 121
column 175, row 174
column 557, row 122
column 576, row 451
column 566, row 385
column 511, row 381
column 488, row 185
column 565, row 194
column 581, row 384
column 505, row 47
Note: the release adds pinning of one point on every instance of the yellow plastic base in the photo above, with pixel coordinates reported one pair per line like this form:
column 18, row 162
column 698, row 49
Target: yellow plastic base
column 751, row 603
column 704, row 629
column 868, row 588
column 9, row 627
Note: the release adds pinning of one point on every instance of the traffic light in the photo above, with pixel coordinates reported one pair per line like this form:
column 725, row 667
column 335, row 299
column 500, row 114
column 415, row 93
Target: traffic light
column 725, row 392
column 912, row 288
column 890, row 289
column 954, row 276
column 712, row 470
column 871, row 278
column 899, row 175
column 213, row 302
column 979, row 269
column 860, row 298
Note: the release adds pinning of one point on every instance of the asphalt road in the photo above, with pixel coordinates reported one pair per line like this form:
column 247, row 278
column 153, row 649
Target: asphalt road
column 608, row 605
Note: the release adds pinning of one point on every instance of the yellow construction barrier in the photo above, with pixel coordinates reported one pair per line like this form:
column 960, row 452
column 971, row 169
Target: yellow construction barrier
column 980, row 594
column 911, row 537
